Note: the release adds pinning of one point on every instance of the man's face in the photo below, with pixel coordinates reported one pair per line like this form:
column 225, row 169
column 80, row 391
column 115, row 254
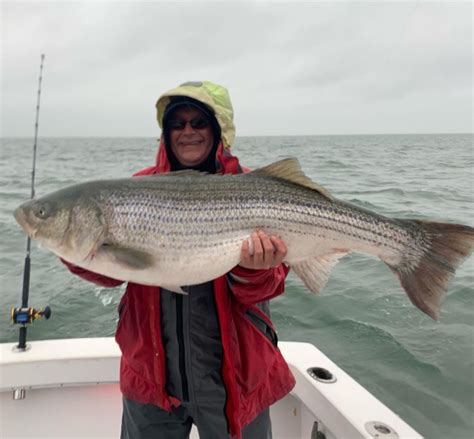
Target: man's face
column 191, row 146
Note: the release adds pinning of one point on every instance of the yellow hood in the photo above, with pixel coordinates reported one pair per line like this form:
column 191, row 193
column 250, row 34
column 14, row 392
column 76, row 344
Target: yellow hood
column 213, row 95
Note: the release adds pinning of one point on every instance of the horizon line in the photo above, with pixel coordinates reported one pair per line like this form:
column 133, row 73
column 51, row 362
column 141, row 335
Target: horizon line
column 242, row 136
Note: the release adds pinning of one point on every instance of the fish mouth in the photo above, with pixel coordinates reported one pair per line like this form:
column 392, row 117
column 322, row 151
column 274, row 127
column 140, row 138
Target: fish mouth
column 22, row 219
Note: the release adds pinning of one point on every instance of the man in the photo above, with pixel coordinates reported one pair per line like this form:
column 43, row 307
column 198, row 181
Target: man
column 210, row 357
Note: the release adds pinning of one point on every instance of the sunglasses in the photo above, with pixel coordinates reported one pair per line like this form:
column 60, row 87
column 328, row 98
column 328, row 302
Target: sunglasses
column 196, row 124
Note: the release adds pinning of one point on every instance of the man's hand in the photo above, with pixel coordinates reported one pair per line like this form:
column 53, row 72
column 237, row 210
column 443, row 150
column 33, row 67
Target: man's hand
column 268, row 251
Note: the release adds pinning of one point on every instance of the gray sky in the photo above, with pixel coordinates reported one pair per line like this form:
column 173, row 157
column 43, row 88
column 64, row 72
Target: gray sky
column 291, row 68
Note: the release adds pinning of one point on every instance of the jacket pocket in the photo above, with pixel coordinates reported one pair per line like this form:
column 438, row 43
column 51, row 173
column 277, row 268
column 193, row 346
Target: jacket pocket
column 263, row 324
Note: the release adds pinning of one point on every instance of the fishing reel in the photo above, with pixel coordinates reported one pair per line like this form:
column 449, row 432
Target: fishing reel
column 22, row 316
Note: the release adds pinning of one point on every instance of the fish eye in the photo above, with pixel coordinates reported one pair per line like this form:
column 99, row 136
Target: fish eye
column 42, row 211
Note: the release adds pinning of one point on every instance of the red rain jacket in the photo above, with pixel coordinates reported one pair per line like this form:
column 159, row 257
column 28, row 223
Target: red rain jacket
column 254, row 371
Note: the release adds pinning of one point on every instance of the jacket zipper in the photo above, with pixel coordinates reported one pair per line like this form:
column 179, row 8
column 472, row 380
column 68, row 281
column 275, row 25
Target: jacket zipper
column 180, row 333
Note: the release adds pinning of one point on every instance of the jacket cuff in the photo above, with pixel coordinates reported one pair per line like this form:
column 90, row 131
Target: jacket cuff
column 247, row 275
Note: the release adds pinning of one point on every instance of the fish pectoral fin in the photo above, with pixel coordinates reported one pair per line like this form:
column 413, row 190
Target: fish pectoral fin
column 127, row 257
column 315, row 272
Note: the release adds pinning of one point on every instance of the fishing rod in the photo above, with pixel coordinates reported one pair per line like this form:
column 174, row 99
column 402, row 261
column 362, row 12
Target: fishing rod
column 24, row 314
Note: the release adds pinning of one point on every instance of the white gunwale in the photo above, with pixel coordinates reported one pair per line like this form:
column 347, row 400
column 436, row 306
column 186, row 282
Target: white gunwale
column 54, row 372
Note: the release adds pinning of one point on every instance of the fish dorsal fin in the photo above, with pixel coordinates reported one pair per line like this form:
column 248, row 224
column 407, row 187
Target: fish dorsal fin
column 290, row 170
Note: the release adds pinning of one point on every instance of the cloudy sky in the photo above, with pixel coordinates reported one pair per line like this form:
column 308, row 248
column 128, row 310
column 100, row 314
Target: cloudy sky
column 291, row 68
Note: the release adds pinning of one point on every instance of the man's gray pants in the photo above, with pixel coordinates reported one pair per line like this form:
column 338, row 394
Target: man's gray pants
column 146, row 421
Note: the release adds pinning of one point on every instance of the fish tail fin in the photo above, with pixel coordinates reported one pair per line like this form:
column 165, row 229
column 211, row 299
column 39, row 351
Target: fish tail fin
column 446, row 247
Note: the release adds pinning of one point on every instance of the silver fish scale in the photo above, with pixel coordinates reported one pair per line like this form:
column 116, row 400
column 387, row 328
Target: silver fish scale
column 192, row 212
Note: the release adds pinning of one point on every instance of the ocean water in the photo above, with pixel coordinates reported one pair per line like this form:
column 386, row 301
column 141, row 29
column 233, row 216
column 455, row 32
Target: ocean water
column 422, row 369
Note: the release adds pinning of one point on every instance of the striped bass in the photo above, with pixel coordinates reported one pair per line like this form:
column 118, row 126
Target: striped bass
column 186, row 228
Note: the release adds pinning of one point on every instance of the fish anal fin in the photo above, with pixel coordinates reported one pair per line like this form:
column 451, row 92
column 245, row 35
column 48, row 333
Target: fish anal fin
column 128, row 258
column 315, row 272
column 290, row 170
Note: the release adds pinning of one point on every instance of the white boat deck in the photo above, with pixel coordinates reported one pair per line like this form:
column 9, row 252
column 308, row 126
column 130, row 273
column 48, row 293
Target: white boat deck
column 71, row 391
